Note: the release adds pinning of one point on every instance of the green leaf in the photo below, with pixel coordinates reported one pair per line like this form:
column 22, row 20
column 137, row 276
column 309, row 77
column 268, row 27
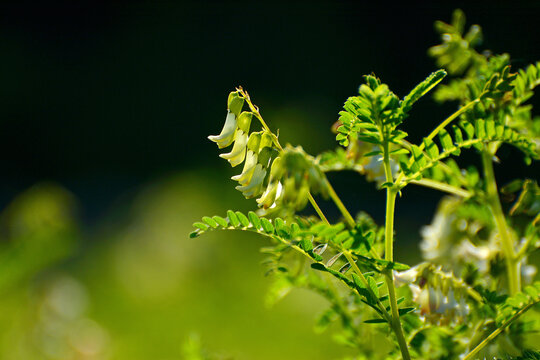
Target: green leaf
column 221, row 221
column 469, row 129
column 337, row 274
column 373, row 286
column 201, row 226
column 306, row 245
column 423, row 88
column 243, row 219
column 233, row 219
column 480, row 129
column 375, row 321
column 387, row 184
column 210, row 221
column 446, row 141
column 254, row 219
column 399, row 152
column 404, row 311
column 431, row 148
column 267, row 225
column 373, row 153
column 392, row 265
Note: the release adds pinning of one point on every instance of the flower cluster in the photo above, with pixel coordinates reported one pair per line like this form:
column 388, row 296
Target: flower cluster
column 281, row 178
column 442, row 298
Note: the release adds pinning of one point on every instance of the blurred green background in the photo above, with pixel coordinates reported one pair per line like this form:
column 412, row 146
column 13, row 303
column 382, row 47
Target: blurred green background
column 105, row 109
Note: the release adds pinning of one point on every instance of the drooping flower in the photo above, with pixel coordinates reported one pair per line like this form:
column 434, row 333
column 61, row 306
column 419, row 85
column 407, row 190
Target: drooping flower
column 226, row 137
column 238, row 152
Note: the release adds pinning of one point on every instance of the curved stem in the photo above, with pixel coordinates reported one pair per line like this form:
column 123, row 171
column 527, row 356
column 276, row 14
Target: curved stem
column 441, row 126
column 448, row 120
column 507, row 245
column 494, row 334
column 438, row 185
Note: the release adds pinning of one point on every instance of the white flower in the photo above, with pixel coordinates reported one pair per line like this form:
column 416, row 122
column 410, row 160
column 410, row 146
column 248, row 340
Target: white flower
column 432, row 234
column 249, row 168
column 253, row 188
column 480, row 255
column 238, row 152
column 226, row 137
column 405, row 277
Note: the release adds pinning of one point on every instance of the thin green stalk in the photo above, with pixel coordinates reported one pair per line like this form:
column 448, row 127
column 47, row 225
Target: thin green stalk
column 357, row 270
column 391, row 194
column 441, row 126
column 437, row 185
column 317, row 208
column 396, row 323
column 335, row 198
column 508, row 247
column 494, row 334
column 346, row 214
column 523, row 249
column 448, row 120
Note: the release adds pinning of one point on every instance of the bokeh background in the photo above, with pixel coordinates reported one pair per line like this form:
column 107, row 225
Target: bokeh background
column 104, row 112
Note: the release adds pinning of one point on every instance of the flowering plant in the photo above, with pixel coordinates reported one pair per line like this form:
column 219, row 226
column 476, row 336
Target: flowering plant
column 469, row 297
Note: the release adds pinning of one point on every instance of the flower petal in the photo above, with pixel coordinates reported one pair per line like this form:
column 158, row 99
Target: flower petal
column 238, row 152
column 255, row 185
column 226, row 137
column 248, row 170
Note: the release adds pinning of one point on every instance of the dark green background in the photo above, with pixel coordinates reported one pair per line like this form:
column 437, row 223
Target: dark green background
column 103, row 96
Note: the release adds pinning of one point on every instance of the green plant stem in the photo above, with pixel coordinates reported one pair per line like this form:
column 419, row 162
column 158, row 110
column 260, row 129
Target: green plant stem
column 523, row 249
column 448, row 120
column 357, row 270
column 391, row 194
column 317, row 208
column 335, row 198
column 494, row 334
column 438, row 129
column 507, row 245
column 396, row 323
column 346, row 214
column 437, row 185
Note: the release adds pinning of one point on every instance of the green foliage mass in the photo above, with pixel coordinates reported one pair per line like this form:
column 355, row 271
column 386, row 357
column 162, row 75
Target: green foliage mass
column 469, row 297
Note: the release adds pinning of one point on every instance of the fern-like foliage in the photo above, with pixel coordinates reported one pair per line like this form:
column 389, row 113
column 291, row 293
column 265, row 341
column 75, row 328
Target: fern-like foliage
column 374, row 115
column 456, row 300
column 456, row 53
column 308, row 235
column 502, row 94
column 465, row 136
column 313, row 239
column 516, row 305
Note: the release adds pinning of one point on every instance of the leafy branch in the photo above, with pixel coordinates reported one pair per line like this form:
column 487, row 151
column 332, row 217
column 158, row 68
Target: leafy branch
column 510, row 311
